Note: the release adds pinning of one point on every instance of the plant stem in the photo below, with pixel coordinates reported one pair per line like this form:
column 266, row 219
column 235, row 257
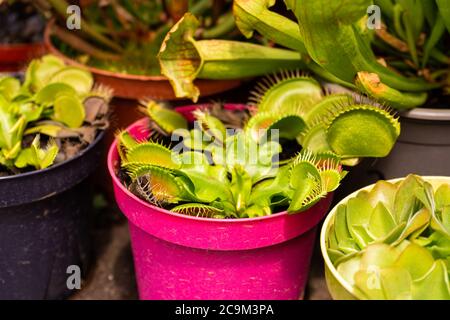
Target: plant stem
column 61, row 8
column 224, row 26
column 81, row 45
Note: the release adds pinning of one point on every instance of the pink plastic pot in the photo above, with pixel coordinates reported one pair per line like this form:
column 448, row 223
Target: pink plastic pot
column 183, row 257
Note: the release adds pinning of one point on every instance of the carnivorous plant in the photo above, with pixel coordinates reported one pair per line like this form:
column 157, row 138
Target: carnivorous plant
column 223, row 168
column 397, row 61
column 50, row 116
column 393, row 242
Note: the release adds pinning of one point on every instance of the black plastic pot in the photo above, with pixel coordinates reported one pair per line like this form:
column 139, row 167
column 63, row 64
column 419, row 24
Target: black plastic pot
column 422, row 148
column 44, row 227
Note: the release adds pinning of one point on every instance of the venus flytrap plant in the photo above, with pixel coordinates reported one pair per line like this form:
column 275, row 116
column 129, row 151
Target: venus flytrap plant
column 55, row 102
column 37, row 157
column 392, row 242
column 215, row 171
column 322, row 123
column 234, row 176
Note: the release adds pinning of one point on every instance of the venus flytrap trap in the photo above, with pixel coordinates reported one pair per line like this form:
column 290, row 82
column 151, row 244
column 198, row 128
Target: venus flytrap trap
column 214, row 169
column 323, row 122
column 57, row 105
column 393, row 242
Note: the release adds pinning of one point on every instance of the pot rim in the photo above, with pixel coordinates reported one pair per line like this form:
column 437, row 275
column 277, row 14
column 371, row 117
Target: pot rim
column 427, row 114
column 22, row 45
column 112, row 152
column 330, row 219
column 99, row 136
column 52, row 49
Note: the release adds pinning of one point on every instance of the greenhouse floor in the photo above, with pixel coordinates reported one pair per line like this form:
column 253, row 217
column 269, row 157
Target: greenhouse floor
column 112, row 275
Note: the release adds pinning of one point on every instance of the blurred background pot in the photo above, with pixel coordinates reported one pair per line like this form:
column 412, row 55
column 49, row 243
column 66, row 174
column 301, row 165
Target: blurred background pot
column 44, row 227
column 20, row 35
column 13, row 57
column 136, row 87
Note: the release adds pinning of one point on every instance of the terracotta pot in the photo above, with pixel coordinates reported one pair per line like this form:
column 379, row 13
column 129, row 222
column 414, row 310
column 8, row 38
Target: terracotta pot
column 14, row 57
column 137, row 86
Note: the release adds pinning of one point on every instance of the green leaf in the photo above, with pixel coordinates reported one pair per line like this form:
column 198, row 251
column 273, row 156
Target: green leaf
column 358, row 216
column 40, row 71
column 418, row 222
column 381, row 222
column 151, row 153
column 36, row 156
column 271, row 124
column 315, row 139
column 384, row 192
column 48, row 94
column 444, row 11
column 168, row 120
column 322, row 108
column 184, row 59
column 362, row 131
column 306, row 183
column 199, row 210
column 442, row 196
column 370, row 83
column 255, row 15
column 347, row 269
column 210, row 125
column 416, row 259
column 439, row 244
column 9, row 87
column 376, row 273
column 287, row 93
column 29, row 110
column 241, row 186
column 396, row 284
column 434, row 285
column 405, row 204
column 80, row 80
column 69, row 110
column 160, row 186
column 333, row 41
column 340, row 223
column 206, row 187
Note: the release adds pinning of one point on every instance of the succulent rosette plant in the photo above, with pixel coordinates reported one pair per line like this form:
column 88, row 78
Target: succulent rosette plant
column 398, row 61
column 50, row 117
column 393, row 241
column 285, row 151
